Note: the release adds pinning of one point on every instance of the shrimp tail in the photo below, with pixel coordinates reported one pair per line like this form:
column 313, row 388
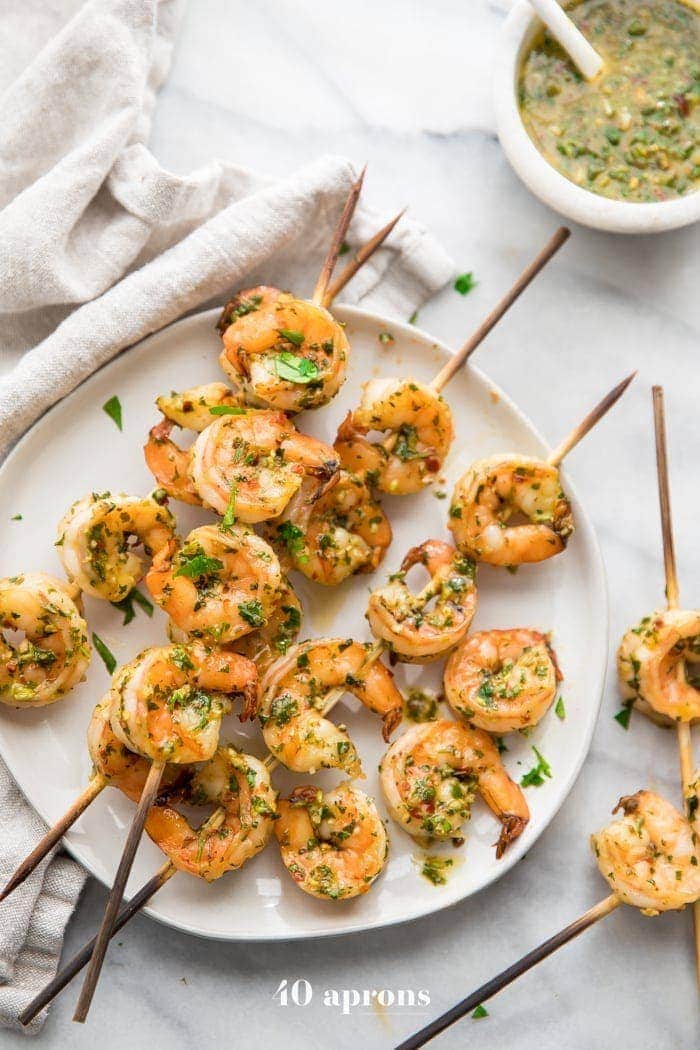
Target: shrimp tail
column 512, row 828
column 628, row 804
column 251, row 699
column 304, row 795
column 390, row 721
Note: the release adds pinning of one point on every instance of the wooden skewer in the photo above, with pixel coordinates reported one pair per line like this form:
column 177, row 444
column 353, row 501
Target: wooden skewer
column 337, row 241
column 54, row 834
column 685, row 748
column 506, row 977
column 117, row 892
column 359, row 259
column 579, row 432
column 150, row 888
column 82, row 957
column 529, row 273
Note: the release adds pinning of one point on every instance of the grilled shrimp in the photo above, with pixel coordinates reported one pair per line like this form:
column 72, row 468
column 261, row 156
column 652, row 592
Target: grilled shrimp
column 422, row 627
column 122, row 768
column 266, row 644
column 293, row 697
column 198, row 407
column 167, row 703
column 96, row 540
column 282, row 352
column 240, row 785
column 651, row 855
column 54, row 653
column 502, row 680
column 334, row 845
column 417, row 428
column 220, row 585
column 331, row 532
column 256, row 462
column 429, row 776
column 656, row 661
column 494, row 490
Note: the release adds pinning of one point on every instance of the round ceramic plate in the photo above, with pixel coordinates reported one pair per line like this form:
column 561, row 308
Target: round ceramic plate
column 76, row 449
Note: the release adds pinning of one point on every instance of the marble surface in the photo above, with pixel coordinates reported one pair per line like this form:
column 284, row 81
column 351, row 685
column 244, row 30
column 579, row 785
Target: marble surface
column 405, row 86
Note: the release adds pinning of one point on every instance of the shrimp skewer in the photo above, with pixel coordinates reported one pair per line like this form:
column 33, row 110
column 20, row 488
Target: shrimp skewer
column 413, row 414
column 160, row 710
column 650, row 857
column 150, row 888
column 289, row 353
column 238, row 828
column 494, row 489
column 652, row 657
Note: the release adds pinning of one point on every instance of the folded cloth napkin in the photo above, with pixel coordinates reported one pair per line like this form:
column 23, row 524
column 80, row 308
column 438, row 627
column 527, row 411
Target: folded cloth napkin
column 99, row 246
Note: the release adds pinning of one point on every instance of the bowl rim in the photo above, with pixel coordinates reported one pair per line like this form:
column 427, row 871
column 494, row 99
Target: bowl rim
column 541, row 178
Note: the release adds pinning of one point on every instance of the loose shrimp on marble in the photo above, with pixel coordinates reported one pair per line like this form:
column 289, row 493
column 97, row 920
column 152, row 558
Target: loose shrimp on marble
column 53, row 653
column 492, row 492
column 334, row 845
column 429, row 777
column 333, row 531
column 422, row 627
column 417, row 427
column 293, row 695
column 651, row 855
column 167, row 704
column 120, row 767
column 221, row 584
column 97, row 536
column 658, row 665
column 282, row 352
column 240, row 786
column 256, row 462
column 502, row 681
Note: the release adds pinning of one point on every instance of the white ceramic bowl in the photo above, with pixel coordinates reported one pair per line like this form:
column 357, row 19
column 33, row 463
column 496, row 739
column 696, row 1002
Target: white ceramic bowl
column 546, row 182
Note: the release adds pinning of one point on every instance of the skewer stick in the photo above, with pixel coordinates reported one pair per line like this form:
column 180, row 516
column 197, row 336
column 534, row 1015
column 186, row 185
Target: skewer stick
column 150, row 888
column 358, row 260
column 506, row 977
column 54, row 834
column 337, row 241
column 148, row 795
column 529, row 273
column 579, row 432
column 685, row 747
column 82, row 957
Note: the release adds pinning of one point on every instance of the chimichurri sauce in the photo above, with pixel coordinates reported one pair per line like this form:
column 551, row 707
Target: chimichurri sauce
column 633, row 133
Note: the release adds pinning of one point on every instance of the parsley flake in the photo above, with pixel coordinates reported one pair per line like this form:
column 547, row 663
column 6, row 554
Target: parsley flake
column 107, row 657
column 113, row 408
column 536, row 776
column 295, row 369
column 464, row 283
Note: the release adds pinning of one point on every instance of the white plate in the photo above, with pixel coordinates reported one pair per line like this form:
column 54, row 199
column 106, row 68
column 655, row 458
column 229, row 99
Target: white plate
column 77, row 449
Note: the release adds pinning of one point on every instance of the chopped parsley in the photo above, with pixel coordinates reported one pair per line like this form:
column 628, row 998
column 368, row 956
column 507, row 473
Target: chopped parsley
column 292, row 537
column 434, row 869
column 227, row 410
column 107, row 657
column 480, row 1012
column 16, row 517
column 126, row 605
column 464, row 283
column 199, row 565
column 536, row 776
column 344, row 249
column 113, row 408
column 413, row 318
column 385, row 338
column 559, row 709
column 623, row 717
column 295, row 369
column 252, row 612
column 292, row 336
column 229, row 518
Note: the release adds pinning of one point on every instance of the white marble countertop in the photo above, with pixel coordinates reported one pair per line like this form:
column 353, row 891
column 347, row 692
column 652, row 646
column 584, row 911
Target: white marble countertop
column 406, row 86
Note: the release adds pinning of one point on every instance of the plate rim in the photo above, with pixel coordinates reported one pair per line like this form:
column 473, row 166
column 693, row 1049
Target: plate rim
column 512, row 857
